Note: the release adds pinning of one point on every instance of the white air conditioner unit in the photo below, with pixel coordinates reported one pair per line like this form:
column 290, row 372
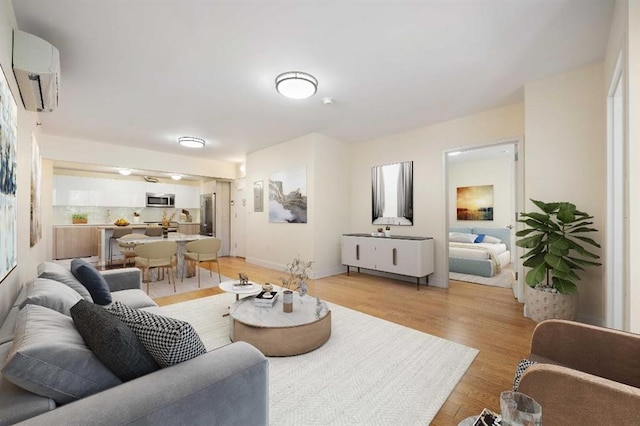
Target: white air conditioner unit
column 36, row 65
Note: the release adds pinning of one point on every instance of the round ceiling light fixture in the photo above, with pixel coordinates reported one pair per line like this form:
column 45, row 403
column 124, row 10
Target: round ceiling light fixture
column 124, row 172
column 191, row 142
column 296, row 84
column 176, row 177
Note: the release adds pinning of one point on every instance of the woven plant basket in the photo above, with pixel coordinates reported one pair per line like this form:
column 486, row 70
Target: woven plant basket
column 543, row 305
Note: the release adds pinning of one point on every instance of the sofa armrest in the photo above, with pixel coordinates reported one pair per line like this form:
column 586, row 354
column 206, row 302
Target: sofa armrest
column 123, row 279
column 571, row 397
column 600, row 351
column 227, row 386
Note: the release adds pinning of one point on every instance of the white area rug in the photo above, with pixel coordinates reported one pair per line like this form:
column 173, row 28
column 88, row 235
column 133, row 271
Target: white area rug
column 504, row 279
column 370, row 371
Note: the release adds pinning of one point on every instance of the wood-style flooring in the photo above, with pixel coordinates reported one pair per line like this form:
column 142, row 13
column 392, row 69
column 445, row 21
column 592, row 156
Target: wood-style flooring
column 486, row 318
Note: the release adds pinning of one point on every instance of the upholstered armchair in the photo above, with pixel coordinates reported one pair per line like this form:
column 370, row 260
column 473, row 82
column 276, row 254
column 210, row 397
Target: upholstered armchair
column 585, row 374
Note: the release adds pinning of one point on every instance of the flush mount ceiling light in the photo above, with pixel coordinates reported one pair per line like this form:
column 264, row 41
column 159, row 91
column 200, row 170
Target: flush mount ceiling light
column 124, row 172
column 191, row 142
column 296, row 84
column 176, row 177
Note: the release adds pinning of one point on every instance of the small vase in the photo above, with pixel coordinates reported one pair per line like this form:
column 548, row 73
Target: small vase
column 136, row 219
column 165, row 232
column 287, row 301
column 387, row 233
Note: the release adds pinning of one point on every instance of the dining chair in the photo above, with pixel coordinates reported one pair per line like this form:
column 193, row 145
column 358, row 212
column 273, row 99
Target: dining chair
column 158, row 255
column 116, row 234
column 153, row 231
column 127, row 247
column 203, row 251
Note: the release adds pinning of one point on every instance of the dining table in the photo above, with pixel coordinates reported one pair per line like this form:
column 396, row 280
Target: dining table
column 181, row 239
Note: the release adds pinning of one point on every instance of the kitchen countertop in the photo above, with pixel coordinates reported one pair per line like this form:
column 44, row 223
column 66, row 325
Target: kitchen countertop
column 111, row 226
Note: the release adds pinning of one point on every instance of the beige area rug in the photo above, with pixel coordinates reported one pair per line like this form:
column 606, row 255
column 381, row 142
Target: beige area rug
column 505, row 278
column 370, row 372
column 162, row 288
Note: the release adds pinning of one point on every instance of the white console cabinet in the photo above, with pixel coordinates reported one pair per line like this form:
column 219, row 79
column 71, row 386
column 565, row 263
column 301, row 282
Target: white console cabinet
column 410, row 256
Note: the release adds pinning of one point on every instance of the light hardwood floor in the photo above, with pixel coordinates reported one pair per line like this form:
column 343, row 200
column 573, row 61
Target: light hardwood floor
column 486, row 318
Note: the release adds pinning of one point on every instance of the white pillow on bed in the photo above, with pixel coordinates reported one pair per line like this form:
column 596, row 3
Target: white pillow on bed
column 491, row 240
column 462, row 237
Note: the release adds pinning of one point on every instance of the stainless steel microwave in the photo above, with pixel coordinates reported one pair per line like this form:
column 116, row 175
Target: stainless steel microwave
column 160, row 200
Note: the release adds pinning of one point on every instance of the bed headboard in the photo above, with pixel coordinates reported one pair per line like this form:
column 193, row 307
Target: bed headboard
column 503, row 233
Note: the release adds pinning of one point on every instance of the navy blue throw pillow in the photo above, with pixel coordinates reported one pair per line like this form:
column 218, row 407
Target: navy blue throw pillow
column 480, row 238
column 95, row 283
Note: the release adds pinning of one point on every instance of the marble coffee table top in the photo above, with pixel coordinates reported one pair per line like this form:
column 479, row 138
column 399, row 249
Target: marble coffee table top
column 306, row 310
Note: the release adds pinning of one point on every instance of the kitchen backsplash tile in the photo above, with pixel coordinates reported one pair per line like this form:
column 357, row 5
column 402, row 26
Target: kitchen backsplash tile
column 108, row 215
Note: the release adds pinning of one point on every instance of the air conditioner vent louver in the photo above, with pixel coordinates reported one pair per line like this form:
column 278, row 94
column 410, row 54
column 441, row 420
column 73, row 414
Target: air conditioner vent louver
column 151, row 179
column 36, row 65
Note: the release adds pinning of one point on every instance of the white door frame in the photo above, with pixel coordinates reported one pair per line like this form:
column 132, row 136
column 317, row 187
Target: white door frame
column 616, row 253
column 518, row 194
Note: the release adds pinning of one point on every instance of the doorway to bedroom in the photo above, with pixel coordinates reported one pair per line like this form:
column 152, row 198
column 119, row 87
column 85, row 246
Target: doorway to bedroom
column 482, row 191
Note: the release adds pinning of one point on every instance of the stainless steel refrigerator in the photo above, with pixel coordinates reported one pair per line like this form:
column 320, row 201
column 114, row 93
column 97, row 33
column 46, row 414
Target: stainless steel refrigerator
column 208, row 215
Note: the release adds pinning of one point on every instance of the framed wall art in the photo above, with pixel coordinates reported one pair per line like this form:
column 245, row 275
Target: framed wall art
column 8, row 178
column 392, row 194
column 474, row 202
column 288, row 196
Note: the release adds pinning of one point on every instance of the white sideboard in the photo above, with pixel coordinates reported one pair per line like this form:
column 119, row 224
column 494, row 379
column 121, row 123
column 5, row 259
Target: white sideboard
column 409, row 256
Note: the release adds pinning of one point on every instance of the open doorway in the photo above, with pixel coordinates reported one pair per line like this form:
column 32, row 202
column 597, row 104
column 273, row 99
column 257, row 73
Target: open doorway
column 483, row 193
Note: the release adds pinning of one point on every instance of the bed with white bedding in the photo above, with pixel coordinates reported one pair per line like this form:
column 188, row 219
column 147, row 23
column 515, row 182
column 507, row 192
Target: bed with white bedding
column 485, row 258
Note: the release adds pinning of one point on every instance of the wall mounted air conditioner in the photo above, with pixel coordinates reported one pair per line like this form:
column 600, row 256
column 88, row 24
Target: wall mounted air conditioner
column 36, row 65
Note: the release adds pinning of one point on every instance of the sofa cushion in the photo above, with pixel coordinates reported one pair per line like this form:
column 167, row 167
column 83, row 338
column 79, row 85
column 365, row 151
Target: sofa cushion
column 112, row 341
column 89, row 276
column 17, row 404
column 49, row 358
column 59, row 273
column 51, row 294
column 168, row 340
column 135, row 299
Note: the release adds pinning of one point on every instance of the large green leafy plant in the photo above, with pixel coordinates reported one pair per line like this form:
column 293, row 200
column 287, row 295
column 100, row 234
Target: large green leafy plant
column 555, row 240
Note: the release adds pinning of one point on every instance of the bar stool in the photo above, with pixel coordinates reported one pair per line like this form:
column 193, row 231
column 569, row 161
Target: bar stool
column 127, row 247
column 153, row 231
column 117, row 233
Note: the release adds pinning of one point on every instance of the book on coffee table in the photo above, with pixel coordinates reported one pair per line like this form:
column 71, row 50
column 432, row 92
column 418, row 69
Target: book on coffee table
column 266, row 299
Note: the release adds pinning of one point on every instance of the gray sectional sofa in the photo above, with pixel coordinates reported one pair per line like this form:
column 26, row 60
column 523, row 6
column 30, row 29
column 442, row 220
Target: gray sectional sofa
column 226, row 386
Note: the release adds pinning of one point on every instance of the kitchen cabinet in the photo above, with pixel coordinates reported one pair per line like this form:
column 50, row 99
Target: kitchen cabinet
column 410, row 256
column 189, row 228
column 99, row 192
column 74, row 241
column 187, row 197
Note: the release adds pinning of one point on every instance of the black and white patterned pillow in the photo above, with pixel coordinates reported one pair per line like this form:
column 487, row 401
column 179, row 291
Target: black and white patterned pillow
column 522, row 366
column 168, row 340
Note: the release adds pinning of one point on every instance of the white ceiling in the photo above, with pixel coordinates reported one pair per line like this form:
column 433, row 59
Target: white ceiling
column 141, row 73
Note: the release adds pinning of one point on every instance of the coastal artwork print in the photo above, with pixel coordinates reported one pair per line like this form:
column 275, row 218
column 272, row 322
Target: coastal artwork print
column 36, row 178
column 8, row 173
column 475, row 202
column 288, row 196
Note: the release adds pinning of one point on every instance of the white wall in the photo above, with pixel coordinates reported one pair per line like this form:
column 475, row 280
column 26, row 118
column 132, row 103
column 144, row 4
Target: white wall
column 84, row 151
column 425, row 146
column 495, row 171
column 276, row 244
column 28, row 257
column 565, row 158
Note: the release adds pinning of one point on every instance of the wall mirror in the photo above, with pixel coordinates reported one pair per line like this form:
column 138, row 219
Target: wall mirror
column 392, row 194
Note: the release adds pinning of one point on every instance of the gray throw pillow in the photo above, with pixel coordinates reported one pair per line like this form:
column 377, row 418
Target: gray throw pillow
column 112, row 341
column 168, row 340
column 89, row 276
column 49, row 358
column 51, row 294
column 53, row 271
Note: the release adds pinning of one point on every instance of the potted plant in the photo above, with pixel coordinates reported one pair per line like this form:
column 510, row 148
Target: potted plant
column 136, row 217
column 555, row 240
column 79, row 218
column 387, row 231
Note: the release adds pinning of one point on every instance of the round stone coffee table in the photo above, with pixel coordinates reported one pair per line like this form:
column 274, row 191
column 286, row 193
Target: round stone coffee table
column 277, row 333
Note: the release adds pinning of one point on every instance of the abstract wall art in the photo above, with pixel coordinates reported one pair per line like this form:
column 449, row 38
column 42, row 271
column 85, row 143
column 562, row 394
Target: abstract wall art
column 392, row 194
column 288, row 196
column 475, row 202
column 8, row 173
column 36, row 178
